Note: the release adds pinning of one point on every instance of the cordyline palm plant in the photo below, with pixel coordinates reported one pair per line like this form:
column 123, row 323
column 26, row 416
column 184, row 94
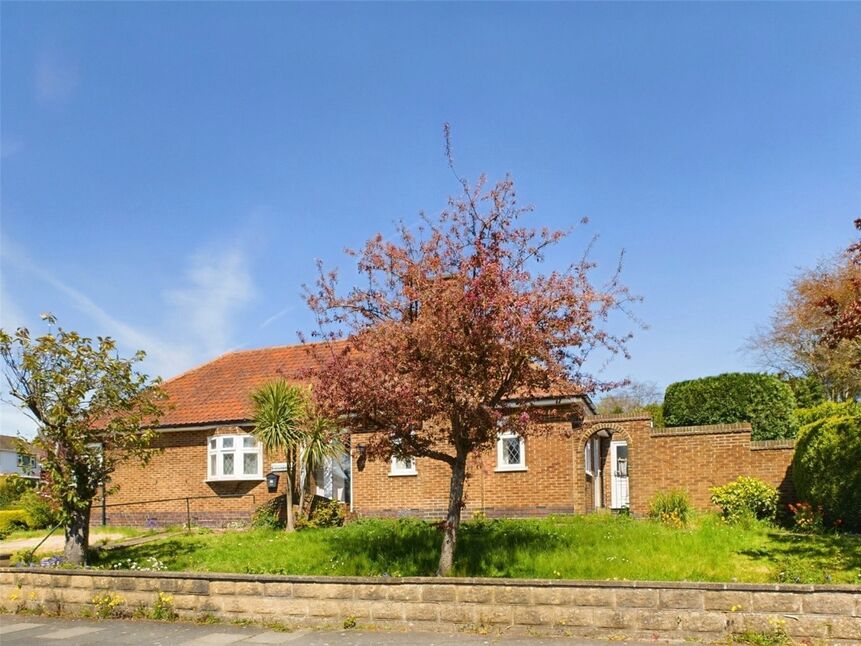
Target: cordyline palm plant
column 285, row 423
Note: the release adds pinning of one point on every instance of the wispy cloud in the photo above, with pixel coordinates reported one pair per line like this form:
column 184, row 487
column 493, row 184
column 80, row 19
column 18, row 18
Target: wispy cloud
column 279, row 314
column 57, row 77
column 217, row 287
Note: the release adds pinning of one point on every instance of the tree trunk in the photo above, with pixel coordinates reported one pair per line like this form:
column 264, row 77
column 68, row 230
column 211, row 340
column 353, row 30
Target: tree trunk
column 452, row 520
column 289, row 499
column 77, row 537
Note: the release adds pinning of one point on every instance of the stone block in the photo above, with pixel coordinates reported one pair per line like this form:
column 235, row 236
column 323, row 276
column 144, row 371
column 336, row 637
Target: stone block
column 494, row 615
column 222, row 587
column 512, row 595
column 776, row 602
column 456, row 613
column 421, row 612
column 322, row 591
column 146, row 584
column 681, row 599
column 829, row 603
column 634, row 598
column 123, row 583
column 816, row 627
column 597, row 597
column 324, row 608
column 248, row 588
column 475, row 594
column 576, row 617
column 846, row 628
column 192, row 586
column 186, row 601
column 536, row 615
column 404, row 593
column 658, row 620
column 102, row 583
column 552, row 596
column 615, row 619
column 431, row 592
column 703, row 622
column 278, row 589
column 370, row 591
column 387, row 611
column 728, row 600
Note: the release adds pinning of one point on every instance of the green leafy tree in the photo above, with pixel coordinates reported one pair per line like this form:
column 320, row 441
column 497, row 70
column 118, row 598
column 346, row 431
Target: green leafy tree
column 93, row 409
column 279, row 415
column 287, row 423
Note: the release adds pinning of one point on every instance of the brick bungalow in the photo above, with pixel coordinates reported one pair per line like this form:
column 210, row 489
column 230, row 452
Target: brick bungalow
column 212, row 472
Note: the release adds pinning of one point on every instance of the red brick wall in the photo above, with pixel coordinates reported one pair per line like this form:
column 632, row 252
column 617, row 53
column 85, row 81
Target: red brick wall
column 180, row 471
column 689, row 458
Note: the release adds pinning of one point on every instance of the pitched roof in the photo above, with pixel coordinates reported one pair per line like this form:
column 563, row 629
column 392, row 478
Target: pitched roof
column 220, row 391
column 11, row 442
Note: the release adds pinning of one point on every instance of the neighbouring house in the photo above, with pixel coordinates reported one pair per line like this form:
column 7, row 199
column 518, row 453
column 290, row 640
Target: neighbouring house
column 13, row 461
column 212, row 472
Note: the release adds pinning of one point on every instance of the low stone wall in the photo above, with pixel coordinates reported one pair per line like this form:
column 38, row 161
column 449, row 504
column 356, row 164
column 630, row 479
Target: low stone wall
column 651, row 610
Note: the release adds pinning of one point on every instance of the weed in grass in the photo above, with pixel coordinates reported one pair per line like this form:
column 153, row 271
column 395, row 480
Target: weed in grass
column 108, row 605
column 276, row 626
column 776, row 636
column 242, row 622
column 350, row 622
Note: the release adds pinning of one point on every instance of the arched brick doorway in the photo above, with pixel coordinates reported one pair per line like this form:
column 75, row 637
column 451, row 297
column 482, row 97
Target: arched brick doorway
column 606, row 469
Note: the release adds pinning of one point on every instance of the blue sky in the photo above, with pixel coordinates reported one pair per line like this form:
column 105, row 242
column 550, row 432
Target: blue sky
column 170, row 172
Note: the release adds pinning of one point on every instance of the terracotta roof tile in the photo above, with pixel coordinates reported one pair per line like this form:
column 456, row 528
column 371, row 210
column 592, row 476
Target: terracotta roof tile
column 220, row 390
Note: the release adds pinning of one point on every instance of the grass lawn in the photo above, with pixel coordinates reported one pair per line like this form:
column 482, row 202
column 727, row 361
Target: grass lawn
column 577, row 547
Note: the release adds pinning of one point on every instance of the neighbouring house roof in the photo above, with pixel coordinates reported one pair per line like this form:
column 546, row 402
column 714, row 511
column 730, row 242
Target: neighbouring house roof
column 219, row 392
column 10, row 443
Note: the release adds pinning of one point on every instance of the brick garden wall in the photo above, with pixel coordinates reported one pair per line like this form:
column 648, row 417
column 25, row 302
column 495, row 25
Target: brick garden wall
column 593, row 609
column 689, row 458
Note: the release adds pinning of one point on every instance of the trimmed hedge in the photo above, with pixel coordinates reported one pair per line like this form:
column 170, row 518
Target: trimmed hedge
column 826, row 467
column 12, row 518
column 763, row 400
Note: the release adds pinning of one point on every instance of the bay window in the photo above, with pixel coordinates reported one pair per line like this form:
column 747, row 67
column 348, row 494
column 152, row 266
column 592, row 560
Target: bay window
column 234, row 457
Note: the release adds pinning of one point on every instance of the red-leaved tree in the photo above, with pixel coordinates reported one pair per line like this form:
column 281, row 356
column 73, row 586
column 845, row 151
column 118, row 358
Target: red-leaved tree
column 453, row 332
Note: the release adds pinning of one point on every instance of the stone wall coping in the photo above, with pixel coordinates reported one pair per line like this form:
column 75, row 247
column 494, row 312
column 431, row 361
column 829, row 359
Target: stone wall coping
column 620, row 417
column 705, row 429
column 452, row 581
column 765, row 445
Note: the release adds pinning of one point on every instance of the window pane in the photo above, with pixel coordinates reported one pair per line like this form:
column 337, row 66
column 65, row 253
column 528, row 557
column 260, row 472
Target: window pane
column 511, row 450
column 212, row 443
column 226, row 442
column 227, row 464
column 212, row 465
column 249, row 442
column 249, row 464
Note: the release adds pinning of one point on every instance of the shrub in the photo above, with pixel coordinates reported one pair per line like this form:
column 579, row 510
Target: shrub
column 107, row 605
column 267, row 516
column 162, row 609
column 763, row 400
column 328, row 513
column 12, row 519
column 671, row 507
column 40, row 513
column 745, row 498
column 12, row 487
column 806, row 517
column 826, row 467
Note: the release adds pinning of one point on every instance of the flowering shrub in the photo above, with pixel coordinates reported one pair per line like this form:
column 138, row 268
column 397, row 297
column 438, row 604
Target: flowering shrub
column 806, row 517
column 744, row 499
column 672, row 508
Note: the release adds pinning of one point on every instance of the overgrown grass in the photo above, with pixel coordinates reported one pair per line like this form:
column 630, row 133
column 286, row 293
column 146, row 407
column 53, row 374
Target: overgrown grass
column 578, row 547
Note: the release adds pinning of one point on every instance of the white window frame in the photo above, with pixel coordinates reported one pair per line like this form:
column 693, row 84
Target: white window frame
column 587, row 458
column 238, row 451
column 501, row 465
column 403, row 465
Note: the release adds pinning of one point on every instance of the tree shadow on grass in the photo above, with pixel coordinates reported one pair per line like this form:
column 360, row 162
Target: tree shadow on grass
column 407, row 547
column 167, row 552
column 811, row 558
column 501, row 548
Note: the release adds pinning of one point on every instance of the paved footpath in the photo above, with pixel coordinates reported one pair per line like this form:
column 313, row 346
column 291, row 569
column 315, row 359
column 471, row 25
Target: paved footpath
column 44, row 631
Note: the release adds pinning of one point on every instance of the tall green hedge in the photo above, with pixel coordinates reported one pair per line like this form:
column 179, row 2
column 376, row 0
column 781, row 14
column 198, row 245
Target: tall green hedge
column 763, row 400
column 826, row 467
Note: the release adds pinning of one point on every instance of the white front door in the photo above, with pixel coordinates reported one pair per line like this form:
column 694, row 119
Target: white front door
column 619, row 475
